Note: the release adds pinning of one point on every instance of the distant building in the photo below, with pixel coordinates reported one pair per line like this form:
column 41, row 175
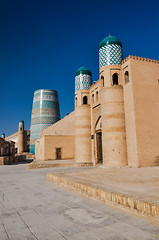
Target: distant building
column 57, row 141
column 7, row 150
column 21, row 139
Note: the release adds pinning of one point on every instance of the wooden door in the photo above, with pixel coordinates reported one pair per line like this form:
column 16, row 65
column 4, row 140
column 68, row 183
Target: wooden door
column 99, row 147
column 58, row 153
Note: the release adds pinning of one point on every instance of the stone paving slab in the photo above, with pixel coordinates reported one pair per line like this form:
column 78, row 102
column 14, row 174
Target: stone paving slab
column 31, row 208
column 133, row 188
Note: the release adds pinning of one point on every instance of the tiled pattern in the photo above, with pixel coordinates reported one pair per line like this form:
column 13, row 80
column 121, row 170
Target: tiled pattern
column 45, row 112
column 43, row 119
column 110, row 55
column 45, row 97
column 45, row 104
column 32, row 147
column 83, row 81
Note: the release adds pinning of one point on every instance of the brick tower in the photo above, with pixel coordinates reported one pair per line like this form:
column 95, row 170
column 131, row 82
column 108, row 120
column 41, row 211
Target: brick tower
column 112, row 103
column 21, row 137
column 83, row 81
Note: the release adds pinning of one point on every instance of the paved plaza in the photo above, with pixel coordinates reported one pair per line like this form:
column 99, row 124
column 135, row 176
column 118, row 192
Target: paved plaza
column 134, row 188
column 31, row 208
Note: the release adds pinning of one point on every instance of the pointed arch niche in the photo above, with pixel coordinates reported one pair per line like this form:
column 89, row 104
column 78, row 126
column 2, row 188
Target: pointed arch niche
column 98, row 141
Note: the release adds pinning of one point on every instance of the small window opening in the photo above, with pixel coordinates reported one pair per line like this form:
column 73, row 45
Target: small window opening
column 102, row 80
column 76, row 101
column 20, row 128
column 92, row 98
column 85, row 100
column 126, row 77
column 115, row 79
column 97, row 96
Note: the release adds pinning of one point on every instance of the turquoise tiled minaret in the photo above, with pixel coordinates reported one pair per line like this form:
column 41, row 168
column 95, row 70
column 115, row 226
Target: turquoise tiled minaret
column 110, row 51
column 45, row 112
column 83, row 79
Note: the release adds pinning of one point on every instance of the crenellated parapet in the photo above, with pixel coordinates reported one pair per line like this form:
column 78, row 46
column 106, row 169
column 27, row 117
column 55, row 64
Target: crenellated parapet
column 140, row 58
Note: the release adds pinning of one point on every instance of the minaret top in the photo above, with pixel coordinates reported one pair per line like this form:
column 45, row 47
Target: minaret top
column 110, row 40
column 21, row 121
column 83, row 79
column 110, row 52
column 83, row 70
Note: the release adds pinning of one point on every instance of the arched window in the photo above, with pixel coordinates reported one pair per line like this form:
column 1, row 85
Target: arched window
column 97, row 96
column 92, row 98
column 115, row 79
column 85, row 100
column 102, row 80
column 76, row 102
column 126, row 75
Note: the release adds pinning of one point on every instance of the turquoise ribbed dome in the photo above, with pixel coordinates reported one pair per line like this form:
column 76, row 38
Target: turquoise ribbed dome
column 110, row 40
column 83, row 70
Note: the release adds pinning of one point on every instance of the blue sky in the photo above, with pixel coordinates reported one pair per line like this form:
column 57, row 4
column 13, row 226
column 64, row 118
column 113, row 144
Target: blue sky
column 43, row 43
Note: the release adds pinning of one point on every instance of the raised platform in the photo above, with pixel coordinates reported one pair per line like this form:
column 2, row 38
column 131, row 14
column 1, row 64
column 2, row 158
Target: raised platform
column 56, row 163
column 136, row 189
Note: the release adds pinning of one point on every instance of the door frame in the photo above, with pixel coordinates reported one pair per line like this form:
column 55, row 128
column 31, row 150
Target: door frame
column 58, row 150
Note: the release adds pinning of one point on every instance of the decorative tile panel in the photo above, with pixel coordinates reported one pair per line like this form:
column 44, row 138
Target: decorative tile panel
column 110, row 55
column 45, row 111
column 45, row 97
column 83, row 82
column 44, row 119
